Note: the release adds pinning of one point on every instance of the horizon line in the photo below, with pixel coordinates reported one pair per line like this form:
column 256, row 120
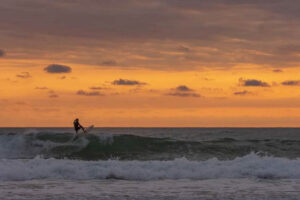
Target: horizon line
column 155, row 127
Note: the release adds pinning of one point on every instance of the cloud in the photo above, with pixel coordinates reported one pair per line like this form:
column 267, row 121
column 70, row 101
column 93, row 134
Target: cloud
column 41, row 88
column 96, row 88
column 183, row 94
column 253, row 83
column 52, row 94
column 255, row 32
column 85, row 93
column 109, row 63
column 56, row 68
column 185, row 49
column 291, row 83
column 127, row 82
column 242, row 93
column 1, row 53
column 289, row 49
column 24, row 75
column 183, row 88
column 277, row 70
column 183, row 91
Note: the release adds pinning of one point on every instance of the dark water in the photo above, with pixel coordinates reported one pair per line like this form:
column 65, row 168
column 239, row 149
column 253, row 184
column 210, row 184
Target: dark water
column 149, row 143
column 150, row 163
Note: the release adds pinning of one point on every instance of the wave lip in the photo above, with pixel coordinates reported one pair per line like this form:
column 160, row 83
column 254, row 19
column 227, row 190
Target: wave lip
column 250, row 166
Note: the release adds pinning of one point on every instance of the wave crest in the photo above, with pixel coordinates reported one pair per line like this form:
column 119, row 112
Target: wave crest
column 249, row 166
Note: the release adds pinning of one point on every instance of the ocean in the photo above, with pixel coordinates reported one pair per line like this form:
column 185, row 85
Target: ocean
column 150, row 163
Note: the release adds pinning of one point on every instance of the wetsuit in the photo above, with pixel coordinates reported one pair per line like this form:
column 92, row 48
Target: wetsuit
column 77, row 126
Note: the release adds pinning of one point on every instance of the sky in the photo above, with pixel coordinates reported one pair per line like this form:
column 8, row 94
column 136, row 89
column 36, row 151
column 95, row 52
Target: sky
column 142, row 63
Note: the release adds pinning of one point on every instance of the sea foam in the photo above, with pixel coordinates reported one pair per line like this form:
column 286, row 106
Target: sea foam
column 250, row 166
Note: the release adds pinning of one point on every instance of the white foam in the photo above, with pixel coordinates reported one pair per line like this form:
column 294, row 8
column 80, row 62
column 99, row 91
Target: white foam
column 18, row 146
column 250, row 166
column 105, row 138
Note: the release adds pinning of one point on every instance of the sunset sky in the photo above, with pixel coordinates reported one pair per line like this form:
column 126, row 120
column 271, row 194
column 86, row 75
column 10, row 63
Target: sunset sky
column 151, row 63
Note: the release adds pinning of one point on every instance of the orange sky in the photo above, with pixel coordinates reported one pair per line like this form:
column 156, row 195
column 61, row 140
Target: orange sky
column 149, row 63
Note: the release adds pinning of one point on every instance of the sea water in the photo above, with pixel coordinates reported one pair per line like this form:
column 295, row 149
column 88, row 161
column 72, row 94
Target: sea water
column 150, row 163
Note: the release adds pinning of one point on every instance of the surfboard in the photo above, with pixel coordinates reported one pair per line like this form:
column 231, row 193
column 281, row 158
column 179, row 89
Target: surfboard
column 88, row 129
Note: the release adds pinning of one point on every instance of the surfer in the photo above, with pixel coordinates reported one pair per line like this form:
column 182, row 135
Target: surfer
column 78, row 126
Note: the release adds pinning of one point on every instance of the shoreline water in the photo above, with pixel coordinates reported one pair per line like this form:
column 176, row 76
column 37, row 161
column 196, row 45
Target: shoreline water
column 231, row 189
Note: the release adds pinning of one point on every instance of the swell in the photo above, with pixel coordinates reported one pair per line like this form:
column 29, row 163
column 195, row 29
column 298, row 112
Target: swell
column 131, row 147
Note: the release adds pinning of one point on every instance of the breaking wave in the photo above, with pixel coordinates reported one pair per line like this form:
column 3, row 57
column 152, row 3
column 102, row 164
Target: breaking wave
column 132, row 147
column 249, row 166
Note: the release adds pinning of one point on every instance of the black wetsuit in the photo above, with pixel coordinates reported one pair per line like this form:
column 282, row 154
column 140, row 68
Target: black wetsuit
column 77, row 126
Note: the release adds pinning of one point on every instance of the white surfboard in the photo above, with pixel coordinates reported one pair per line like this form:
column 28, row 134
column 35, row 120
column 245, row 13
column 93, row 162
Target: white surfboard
column 88, row 129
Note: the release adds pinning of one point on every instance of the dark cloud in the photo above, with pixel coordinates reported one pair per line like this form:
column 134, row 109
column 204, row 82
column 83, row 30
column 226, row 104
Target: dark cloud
column 127, row 82
column 183, row 91
column 183, row 88
column 24, row 75
column 143, row 19
column 242, row 93
column 109, row 63
column 253, row 83
column 277, row 70
column 56, row 68
column 291, row 83
column 41, row 88
column 85, row 93
column 1, row 53
column 289, row 49
column 255, row 32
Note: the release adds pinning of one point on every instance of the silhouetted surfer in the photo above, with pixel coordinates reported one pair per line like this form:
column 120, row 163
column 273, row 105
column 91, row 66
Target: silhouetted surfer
column 78, row 126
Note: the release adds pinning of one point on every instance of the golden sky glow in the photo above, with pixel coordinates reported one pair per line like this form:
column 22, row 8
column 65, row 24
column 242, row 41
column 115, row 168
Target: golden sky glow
column 150, row 63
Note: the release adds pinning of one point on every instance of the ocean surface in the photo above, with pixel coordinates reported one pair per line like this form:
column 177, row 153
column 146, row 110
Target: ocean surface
column 150, row 163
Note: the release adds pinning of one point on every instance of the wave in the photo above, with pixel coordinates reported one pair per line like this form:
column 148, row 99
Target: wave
column 131, row 147
column 249, row 166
